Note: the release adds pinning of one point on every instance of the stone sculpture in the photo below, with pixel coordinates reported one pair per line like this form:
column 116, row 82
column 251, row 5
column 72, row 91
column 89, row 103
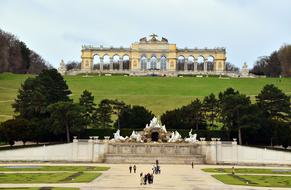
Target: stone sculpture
column 192, row 138
column 175, row 137
column 135, row 136
column 118, row 137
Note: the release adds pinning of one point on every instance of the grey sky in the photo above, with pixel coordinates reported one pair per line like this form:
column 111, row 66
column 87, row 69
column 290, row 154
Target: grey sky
column 57, row 29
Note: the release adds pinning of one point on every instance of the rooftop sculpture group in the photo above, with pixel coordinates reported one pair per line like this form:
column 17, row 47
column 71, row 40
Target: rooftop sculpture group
column 154, row 132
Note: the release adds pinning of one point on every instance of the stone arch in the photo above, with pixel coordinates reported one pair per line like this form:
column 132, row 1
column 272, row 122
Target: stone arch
column 115, row 60
column 210, row 63
column 180, row 62
column 143, row 62
column 106, row 61
column 125, row 62
column 153, row 62
column 163, row 63
column 200, row 63
column 191, row 62
column 96, row 62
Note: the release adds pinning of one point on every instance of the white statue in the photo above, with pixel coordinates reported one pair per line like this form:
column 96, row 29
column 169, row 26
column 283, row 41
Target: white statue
column 192, row 138
column 154, row 123
column 175, row 137
column 135, row 136
column 118, row 137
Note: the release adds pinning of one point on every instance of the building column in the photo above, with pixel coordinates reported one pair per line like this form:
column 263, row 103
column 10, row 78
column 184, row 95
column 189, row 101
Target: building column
column 120, row 64
column 205, row 66
column 111, row 64
column 195, row 65
column 101, row 64
column 186, row 65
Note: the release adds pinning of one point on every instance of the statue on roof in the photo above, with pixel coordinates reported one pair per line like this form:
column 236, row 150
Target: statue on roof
column 164, row 39
column 153, row 37
column 144, row 39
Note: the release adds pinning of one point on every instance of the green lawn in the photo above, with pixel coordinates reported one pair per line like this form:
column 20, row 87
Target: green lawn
column 156, row 93
column 248, row 170
column 52, row 168
column 255, row 180
column 47, row 177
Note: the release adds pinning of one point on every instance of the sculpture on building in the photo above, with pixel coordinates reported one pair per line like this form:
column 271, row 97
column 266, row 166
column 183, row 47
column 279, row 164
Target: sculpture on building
column 245, row 70
column 62, row 68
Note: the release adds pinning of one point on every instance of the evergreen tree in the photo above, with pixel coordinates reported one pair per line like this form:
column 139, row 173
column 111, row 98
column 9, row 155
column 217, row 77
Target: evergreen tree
column 275, row 106
column 135, row 117
column 102, row 115
column 236, row 112
column 210, row 106
column 66, row 117
column 87, row 102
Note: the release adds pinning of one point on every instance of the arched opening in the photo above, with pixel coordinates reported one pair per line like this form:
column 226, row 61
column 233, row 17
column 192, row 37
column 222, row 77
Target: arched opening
column 200, row 63
column 106, row 62
column 155, row 136
column 115, row 62
column 153, row 63
column 180, row 63
column 210, row 63
column 143, row 62
column 191, row 61
column 96, row 62
column 163, row 62
column 126, row 62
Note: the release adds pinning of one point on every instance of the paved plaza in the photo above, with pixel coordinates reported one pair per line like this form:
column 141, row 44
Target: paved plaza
column 172, row 177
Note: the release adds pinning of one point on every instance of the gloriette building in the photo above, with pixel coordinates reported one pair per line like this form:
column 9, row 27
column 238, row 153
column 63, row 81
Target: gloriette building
column 153, row 56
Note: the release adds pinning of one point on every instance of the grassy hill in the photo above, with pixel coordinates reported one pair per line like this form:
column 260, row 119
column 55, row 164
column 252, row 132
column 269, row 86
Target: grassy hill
column 156, row 93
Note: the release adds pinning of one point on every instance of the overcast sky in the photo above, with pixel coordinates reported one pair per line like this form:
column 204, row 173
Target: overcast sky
column 56, row 29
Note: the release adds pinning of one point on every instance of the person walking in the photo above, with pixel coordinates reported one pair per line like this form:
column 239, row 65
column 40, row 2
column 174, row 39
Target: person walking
column 192, row 165
column 134, row 168
column 141, row 178
column 130, row 168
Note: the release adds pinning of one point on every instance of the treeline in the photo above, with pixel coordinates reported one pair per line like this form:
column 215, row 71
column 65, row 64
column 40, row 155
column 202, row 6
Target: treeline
column 45, row 112
column 275, row 65
column 16, row 57
column 269, row 116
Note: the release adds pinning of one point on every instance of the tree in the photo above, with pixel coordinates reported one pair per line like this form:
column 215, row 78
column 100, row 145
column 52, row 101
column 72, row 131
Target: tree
column 210, row 107
column 275, row 106
column 87, row 101
column 231, row 67
column 195, row 114
column 284, row 55
column 66, row 116
column 186, row 117
column 236, row 111
column 54, row 86
column 172, row 119
column 16, row 57
column 117, row 106
column 102, row 115
column 16, row 129
column 71, row 65
column 135, row 117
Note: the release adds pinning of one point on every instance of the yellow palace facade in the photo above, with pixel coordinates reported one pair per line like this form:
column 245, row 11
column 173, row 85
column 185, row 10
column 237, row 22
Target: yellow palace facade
column 153, row 56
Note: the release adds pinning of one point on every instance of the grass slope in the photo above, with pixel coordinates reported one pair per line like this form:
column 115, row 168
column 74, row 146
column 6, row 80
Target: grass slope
column 156, row 93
